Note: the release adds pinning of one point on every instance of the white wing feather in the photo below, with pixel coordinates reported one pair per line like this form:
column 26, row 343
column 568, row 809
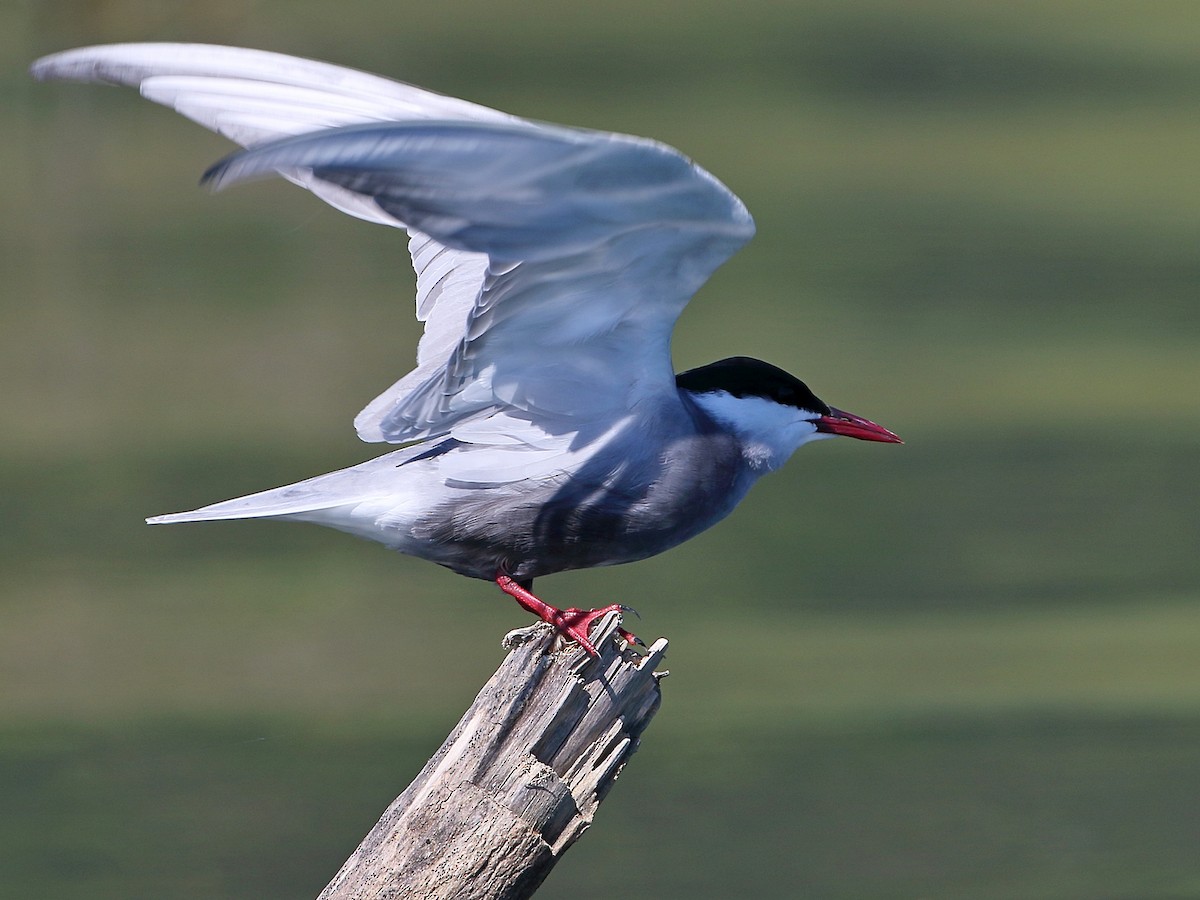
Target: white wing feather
column 551, row 263
column 255, row 96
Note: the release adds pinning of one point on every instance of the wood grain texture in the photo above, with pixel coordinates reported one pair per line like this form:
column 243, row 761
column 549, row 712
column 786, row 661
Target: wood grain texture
column 518, row 780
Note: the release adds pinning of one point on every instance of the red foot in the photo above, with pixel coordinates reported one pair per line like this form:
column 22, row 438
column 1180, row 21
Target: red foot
column 572, row 624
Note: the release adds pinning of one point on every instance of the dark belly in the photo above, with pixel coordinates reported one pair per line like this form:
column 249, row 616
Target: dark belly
column 536, row 528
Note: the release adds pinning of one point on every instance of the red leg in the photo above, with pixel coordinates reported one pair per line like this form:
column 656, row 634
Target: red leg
column 571, row 623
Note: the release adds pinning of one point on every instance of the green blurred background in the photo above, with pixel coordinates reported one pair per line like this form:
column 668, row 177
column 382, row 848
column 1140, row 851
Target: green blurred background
column 965, row 667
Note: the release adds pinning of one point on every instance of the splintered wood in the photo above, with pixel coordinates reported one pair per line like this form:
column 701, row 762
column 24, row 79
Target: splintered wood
column 518, row 780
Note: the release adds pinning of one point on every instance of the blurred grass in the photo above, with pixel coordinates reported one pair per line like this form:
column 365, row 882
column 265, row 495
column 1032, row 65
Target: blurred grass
column 964, row 667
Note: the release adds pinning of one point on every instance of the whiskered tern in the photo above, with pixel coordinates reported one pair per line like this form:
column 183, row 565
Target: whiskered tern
column 544, row 425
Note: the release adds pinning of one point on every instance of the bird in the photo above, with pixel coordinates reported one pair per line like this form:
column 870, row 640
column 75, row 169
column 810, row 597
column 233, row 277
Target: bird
column 544, row 427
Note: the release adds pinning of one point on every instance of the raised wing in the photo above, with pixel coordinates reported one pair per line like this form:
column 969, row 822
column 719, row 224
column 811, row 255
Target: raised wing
column 254, row 96
column 586, row 245
column 595, row 244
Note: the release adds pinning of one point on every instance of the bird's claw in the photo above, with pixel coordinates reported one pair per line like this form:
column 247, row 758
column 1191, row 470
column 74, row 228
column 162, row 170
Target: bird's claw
column 626, row 635
column 572, row 623
column 630, row 638
column 576, row 623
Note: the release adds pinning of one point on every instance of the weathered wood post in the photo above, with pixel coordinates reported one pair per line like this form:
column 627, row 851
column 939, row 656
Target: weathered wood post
column 518, row 780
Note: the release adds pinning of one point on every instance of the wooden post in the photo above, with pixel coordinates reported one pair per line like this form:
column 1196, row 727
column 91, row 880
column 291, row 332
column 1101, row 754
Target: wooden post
column 518, row 780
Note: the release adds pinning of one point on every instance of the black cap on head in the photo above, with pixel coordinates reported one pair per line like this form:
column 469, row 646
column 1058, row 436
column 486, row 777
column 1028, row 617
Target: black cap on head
column 744, row 376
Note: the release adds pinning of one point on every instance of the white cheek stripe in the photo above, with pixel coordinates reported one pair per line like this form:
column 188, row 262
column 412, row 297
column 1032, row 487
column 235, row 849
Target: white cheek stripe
column 769, row 432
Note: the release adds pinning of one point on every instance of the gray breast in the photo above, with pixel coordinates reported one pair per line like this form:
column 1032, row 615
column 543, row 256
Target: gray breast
column 641, row 494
